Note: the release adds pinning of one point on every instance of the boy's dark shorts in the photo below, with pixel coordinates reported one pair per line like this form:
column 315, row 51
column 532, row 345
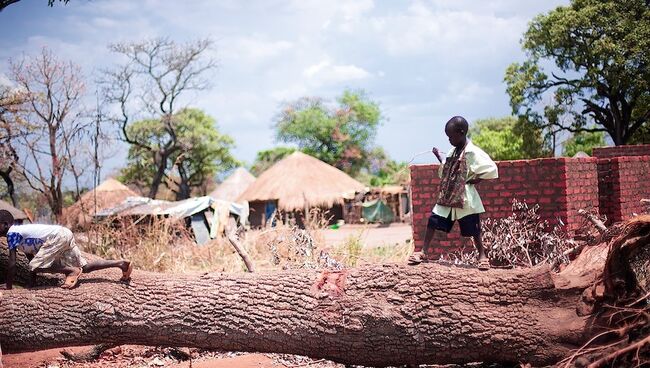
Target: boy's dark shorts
column 470, row 225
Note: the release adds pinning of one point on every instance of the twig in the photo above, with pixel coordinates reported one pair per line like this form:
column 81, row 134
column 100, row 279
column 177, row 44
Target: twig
column 594, row 220
column 606, row 359
column 568, row 253
column 239, row 248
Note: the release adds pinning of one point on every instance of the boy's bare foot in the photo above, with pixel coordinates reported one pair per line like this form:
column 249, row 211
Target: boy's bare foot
column 483, row 264
column 72, row 278
column 126, row 271
column 415, row 259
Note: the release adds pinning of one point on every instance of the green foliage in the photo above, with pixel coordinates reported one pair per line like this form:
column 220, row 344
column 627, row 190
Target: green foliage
column 641, row 136
column 507, row 139
column 583, row 141
column 342, row 136
column 382, row 170
column 601, row 77
column 393, row 172
column 203, row 151
column 267, row 158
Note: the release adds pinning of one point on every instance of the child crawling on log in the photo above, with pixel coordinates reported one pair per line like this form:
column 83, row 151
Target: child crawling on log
column 465, row 166
column 51, row 249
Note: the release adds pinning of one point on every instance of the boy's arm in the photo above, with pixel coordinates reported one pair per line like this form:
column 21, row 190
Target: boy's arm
column 11, row 269
column 481, row 167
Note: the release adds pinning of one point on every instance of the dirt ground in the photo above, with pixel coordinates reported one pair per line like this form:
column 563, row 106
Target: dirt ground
column 370, row 235
column 152, row 357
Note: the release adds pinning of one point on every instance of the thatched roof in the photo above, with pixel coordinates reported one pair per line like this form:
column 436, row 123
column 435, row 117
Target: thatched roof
column 15, row 212
column 300, row 181
column 233, row 186
column 108, row 194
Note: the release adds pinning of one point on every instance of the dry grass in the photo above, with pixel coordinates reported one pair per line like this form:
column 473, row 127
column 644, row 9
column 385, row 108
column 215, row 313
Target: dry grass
column 165, row 245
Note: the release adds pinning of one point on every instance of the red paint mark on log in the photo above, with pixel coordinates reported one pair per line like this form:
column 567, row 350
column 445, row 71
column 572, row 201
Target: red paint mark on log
column 330, row 284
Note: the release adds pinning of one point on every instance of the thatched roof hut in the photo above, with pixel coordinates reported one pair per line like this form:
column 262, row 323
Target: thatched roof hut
column 108, row 194
column 233, row 186
column 19, row 216
column 299, row 182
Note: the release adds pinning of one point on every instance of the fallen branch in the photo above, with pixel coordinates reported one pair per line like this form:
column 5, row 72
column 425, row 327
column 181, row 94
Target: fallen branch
column 239, row 248
column 594, row 220
column 568, row 253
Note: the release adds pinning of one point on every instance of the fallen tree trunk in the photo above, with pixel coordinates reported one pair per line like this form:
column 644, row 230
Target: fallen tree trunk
column 376, row 315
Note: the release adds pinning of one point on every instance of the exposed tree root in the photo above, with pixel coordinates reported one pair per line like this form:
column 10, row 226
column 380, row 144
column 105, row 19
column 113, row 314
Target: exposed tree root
column 89, row 355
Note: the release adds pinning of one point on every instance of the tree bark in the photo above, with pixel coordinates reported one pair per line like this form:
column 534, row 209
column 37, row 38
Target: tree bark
column 377, row 315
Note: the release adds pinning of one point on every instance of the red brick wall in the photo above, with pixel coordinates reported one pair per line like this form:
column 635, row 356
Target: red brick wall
column 560, row 186
column 622, row 183
column 618, row 151
column 581, row 190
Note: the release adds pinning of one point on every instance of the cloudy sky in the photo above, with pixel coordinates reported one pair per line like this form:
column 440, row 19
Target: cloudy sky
column 422, row 61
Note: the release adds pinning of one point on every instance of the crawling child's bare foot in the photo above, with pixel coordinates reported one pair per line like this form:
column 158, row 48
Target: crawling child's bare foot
column 72, row 278
column 127, row 268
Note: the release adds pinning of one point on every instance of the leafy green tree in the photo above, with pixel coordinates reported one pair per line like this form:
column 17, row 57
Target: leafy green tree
column 204, row 151
column 382, row 170
column 267, row 158
column 583, row 142
column 641, row 136
column 508, row 139
column 342, row 136
column 601, row 78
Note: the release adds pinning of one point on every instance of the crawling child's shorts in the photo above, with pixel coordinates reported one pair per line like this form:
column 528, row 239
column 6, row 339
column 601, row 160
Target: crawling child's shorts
column 60, row 250
column 470, row 225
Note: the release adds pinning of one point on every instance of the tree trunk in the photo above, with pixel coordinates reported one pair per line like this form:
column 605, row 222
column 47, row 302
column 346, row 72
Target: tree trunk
column 11, row 190
column 160, row 161
column 376, row 315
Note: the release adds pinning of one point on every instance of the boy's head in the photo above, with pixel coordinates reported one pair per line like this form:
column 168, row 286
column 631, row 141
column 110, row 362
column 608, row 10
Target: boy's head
column 6, row 220
column 456, row 129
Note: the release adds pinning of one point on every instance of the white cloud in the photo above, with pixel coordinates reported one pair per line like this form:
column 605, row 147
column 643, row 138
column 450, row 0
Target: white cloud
column 4, row 81
column 469, row 92
column 422, row 60
column 254, row 49
column 353, row 9
column 325, row 73
column 423, row 29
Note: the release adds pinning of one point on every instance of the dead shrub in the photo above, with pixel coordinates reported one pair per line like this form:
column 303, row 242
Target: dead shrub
column 520, row 240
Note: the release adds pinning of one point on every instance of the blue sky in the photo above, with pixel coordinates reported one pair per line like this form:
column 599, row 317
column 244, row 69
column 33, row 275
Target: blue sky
column 422, row 61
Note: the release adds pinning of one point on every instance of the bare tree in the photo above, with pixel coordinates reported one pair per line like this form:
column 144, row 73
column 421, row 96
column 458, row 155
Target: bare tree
column 11, row 102
column 50, row 125
column 149, row 85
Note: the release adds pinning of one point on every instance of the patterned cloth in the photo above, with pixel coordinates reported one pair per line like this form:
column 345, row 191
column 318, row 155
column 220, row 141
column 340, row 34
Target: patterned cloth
column 51, row 245
column 452, row 183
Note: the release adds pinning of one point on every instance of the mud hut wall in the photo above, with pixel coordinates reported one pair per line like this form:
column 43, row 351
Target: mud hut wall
column 256, row 215
column 560, row 186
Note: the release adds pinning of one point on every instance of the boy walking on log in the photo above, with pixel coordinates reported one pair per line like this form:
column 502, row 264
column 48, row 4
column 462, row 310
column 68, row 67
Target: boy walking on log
column 465, row 166
column 51, row 249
